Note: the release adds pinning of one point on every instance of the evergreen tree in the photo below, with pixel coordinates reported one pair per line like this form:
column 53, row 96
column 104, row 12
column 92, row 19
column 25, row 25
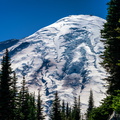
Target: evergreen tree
column 90, row 105
column 32, row 109
column 24, row 102
column 104, row 111
column 5, row 88
column 27, row 107
column 111, row 55
column 116, row 102
column 14, row 111
column 63, row 111
column 70, row 114
column 56, row 109
column 76, row 109
column 40, row 115
column 79, row 109
column 67, row 111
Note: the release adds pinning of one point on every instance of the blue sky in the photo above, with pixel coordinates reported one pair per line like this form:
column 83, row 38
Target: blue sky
column 21, row 18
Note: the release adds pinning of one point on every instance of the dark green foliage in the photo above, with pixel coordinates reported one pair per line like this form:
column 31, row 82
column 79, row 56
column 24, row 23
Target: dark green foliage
column 76, row 109
column 27, row 107
column 23, row 101
column 104, row 111
column 40, row 115
column 15, row 105
column 68, row 112
column 111, row 55
column 5, row 88
column 14, row 91
column 90, row 105
column 79, row 109
column 32, row 108
column 63, row 111
column 116, row 102
column 55, row 113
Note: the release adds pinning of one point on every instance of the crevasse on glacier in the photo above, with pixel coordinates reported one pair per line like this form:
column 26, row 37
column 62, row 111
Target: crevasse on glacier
column 63, row 56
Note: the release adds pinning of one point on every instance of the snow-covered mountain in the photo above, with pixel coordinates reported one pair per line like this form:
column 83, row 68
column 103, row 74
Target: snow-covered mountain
column 63, row 57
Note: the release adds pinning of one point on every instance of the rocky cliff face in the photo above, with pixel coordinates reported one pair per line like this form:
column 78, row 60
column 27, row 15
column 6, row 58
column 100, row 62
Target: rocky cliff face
column 61, row 57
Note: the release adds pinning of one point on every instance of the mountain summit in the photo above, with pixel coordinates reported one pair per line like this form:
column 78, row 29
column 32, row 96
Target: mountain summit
column 63, row 57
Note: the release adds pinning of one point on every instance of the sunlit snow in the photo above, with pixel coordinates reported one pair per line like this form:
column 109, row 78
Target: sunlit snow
column 63, row 57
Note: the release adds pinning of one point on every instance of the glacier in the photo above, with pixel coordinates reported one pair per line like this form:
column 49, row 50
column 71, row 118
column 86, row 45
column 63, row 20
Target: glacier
column 63, row 57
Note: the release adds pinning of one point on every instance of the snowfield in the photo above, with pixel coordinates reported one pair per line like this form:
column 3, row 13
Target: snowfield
column 63, row 57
